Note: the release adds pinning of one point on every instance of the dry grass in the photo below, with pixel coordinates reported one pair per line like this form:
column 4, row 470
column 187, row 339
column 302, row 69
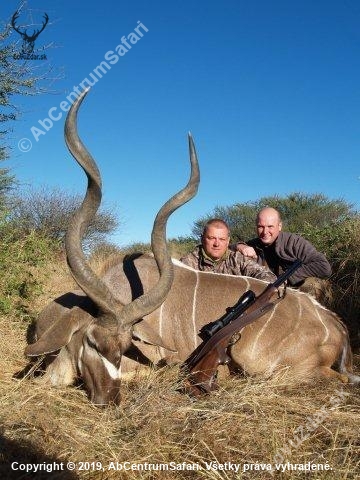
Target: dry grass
column 247, row 421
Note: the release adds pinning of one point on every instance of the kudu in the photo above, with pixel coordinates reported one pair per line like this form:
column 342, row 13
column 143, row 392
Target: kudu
column 149, row 310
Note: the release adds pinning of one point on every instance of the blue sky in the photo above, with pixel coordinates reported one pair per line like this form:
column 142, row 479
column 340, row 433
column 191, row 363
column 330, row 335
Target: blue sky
column 269, row 89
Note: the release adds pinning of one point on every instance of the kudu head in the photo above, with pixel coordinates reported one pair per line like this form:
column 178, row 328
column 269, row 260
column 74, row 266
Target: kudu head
column 28, row 40
column 103, row 338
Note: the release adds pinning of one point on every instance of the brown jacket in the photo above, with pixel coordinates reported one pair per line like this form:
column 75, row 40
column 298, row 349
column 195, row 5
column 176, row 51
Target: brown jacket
column 232, row 263
column 285, row 250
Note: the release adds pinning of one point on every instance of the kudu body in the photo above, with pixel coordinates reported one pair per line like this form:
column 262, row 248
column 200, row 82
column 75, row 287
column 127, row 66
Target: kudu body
column 150, row 309
column 298, row 333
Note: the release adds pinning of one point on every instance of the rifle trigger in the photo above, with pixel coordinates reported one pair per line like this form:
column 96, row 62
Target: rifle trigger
column 224, row 359
column 227, row 360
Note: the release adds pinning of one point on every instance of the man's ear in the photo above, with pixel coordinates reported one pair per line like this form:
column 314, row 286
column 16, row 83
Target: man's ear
column 280, row 226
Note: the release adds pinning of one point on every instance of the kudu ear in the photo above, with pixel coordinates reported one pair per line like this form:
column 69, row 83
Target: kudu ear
column 142, row 331
column 57, row 335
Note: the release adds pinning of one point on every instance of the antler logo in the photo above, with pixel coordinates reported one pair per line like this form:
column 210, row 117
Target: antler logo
column 28, row 40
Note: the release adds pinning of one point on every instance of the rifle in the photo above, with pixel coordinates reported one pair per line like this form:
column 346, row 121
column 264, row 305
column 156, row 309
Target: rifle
column 201, row 367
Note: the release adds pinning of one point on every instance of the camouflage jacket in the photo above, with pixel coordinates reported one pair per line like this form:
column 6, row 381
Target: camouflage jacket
column 232, row 263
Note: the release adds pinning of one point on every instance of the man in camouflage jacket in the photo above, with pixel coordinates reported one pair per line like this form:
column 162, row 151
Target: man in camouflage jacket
column 213, row 255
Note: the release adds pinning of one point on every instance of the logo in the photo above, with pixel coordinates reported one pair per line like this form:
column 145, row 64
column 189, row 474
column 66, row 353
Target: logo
column 28, row 43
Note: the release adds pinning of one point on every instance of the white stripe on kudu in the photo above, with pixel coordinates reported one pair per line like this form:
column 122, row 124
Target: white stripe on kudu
column 193, row 317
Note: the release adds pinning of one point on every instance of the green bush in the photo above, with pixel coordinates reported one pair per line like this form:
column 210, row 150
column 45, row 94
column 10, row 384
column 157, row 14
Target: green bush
column 20, row 256
column 296, row 209
column 178, row 246
column 339, row 242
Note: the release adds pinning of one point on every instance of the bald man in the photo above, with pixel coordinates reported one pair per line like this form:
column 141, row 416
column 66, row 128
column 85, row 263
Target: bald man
column 278, row 250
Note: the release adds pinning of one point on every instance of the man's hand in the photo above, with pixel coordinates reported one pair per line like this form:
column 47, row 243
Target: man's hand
column 246, row 250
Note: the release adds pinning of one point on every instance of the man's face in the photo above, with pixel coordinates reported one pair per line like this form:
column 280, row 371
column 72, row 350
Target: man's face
column 215, row 242
column 268, row 227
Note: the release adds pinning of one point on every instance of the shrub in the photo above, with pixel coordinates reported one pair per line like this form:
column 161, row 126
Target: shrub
column 296, row 209
column 20, row 257
column 180, row 246
column 48, row 211
column 339, row 242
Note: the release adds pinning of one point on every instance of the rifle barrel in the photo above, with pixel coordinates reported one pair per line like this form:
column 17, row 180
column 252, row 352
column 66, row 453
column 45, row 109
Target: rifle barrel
column 284, row 276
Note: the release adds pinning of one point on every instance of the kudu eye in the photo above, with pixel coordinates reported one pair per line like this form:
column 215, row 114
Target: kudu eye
column 91, row 343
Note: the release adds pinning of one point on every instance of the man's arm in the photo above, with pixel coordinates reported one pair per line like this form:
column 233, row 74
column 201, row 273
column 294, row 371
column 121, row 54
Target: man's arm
column 314, row 263
column 250, row 268
column 246, row 249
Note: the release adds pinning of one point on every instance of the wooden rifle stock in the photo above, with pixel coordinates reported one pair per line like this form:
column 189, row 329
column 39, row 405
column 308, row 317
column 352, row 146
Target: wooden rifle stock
column 202, row 365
